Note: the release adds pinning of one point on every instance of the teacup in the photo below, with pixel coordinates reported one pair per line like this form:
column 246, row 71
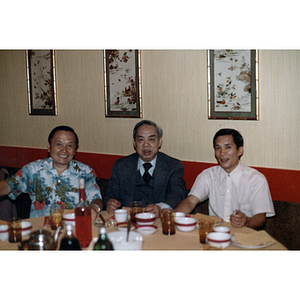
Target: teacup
column 3, row 232
column 121, row 215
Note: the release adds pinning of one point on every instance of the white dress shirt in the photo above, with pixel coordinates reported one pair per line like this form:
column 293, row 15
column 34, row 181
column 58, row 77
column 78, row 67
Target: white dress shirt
column 244, row 188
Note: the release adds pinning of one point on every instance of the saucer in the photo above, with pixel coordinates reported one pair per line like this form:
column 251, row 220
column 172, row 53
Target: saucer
column 123, row 226
column 146, row 229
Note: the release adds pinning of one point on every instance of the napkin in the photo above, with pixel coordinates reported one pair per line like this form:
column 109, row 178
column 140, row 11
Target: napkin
column 256, row 238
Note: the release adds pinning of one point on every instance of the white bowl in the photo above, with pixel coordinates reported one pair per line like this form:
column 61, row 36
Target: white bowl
column 221, row 229
column 186, row 224
column 219, row 239
column 145, row 218
column 3, row 232
column 121, row 215
column 69, row 219
column 146, row 229
column 26, row 228
column 179, row 215
column 118, row 239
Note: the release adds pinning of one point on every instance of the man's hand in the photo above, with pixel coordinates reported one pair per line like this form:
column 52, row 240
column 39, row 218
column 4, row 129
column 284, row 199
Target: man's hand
column 112, row 205
column 238, row 219
column 154, row 209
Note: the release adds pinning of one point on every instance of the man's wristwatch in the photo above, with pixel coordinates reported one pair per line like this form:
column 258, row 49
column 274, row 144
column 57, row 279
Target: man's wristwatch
column 97, row 206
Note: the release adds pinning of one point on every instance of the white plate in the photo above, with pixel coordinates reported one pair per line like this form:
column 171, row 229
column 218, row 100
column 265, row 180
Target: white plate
column 146, row 229
column 215, row 224
column 234, row 242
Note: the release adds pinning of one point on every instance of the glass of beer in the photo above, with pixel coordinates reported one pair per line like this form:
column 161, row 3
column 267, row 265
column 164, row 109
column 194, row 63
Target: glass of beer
column 205, row 226
column 56, row 215
column 14, row 230
column 136, row 207
column 168, row 222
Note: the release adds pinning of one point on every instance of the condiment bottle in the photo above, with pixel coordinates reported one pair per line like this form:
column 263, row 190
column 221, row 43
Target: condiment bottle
column 103, row 242
column 69, row 241
column 83, row 219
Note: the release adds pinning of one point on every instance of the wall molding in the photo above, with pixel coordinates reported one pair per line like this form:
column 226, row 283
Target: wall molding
column 284, row 184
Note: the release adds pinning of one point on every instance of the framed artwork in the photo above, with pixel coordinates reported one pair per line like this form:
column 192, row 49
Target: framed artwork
column 122, row 81
column 232, row 84
column 41, row 82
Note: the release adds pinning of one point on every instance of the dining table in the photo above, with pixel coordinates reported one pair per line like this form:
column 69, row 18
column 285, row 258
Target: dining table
column 157, row 241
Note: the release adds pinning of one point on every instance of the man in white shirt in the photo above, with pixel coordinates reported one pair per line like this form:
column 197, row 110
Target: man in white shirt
column 237, row 193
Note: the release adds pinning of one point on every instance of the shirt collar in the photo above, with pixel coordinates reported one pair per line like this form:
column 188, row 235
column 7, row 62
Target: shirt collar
column 235, row 175
column 49, row 165
column 141, row 167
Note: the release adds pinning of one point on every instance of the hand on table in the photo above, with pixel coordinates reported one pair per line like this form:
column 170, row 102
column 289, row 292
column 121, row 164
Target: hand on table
column 112, row 205
column 238, row 219
column 154, row 209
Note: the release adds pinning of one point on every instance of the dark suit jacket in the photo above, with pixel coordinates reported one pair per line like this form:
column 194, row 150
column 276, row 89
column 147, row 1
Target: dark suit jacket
column 169, row 186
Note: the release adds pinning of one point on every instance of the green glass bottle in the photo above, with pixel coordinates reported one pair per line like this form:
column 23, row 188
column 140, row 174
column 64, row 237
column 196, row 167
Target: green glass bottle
column 103, row 242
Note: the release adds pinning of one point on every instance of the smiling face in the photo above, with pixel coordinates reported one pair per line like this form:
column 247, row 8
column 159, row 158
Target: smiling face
column 62, row 149
column 146, row 142
column 226, row 152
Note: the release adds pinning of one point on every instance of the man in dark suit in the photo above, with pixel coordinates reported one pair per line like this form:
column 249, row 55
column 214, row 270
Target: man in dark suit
column 160, row 186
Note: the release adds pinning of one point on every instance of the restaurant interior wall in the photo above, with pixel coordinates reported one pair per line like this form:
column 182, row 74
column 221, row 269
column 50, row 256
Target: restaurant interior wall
column 174, row 94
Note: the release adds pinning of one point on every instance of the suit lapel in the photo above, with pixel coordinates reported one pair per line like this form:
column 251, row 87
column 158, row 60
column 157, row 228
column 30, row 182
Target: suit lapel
column 159, row 174
column 130, row 176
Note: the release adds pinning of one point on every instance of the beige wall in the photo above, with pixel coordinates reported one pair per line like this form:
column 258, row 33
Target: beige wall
column 174, row 95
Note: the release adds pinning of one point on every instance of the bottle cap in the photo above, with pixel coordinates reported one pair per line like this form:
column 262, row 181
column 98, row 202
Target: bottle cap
column 102, row 230
column 81, row 183
column 69, row 227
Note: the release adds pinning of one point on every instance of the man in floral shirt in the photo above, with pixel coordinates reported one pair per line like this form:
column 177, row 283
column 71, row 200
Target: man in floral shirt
column 55, row 178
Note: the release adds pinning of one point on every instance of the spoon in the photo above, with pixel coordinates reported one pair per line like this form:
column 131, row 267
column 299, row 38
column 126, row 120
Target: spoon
column 128, row 228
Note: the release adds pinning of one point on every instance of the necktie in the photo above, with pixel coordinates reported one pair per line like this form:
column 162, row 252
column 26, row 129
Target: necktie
column 147, row 176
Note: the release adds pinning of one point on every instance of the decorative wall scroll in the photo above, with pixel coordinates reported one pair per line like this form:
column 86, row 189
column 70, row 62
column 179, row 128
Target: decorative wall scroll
column 233, row 84
column 122, row 83
column 41, row 82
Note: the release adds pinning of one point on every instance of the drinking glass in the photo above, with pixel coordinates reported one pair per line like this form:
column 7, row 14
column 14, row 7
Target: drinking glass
column 56, row 215
column 14, row 230
column 205, row 227
column 136, row 207
column 168, row 222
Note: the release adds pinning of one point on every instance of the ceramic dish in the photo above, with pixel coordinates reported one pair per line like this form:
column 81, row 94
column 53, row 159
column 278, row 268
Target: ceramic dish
column 145, row 218
column 186, row 224
column 234, row 242
column 69, row 219
column 26, row 228
column 219, row 239
column 146, row 229
column 123, row 226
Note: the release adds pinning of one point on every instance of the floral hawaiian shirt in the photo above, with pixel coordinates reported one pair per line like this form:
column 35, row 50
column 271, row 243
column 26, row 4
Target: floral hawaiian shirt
column 41, row 181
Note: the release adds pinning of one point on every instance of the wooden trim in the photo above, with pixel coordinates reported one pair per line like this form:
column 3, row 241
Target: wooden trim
column 284, row 184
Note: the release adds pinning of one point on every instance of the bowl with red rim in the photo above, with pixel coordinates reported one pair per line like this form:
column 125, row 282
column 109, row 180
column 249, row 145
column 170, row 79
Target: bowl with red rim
column 146, row 229
column 3, row 232
column 69, row 219
column 121, row 215
column 221, row 229
column 145, row 218
column 186, row 223
column 219, row 239
column 179, row 215
column 26, row 228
